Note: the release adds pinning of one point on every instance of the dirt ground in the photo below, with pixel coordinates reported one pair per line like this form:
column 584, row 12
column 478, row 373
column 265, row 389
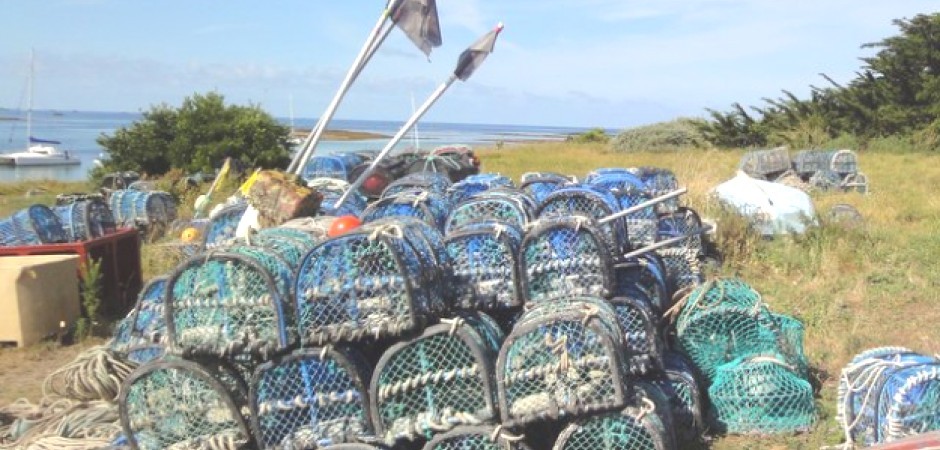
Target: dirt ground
column 23, row 370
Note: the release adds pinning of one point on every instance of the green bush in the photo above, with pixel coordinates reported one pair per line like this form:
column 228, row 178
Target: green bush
column 679, row 133
column 594, row 135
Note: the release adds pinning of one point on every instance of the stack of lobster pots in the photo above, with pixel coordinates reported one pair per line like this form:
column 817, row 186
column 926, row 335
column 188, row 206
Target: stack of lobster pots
column 481, row 313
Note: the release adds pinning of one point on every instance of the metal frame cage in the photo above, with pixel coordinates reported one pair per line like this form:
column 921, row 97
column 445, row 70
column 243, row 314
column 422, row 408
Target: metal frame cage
column 633, row 428
column 132, row 207
column 222, row 225
column 680, row 384
column 478, row 437
column 590, row 202
column 484, row 257
column 430, row 208
column 644, row 343
column 34, row 225
column 332, row 189
column 540, row 184
column 629, row 190
column 146, row 323
column 503, row 207
column 474, row 184
column 311, row 398
column 86, row 219
column 434, row 182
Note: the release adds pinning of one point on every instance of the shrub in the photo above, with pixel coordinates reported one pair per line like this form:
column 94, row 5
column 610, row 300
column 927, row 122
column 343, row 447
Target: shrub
column 679, row 133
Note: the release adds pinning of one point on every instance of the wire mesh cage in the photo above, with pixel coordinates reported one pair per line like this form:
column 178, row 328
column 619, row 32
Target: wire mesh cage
column 382, row 279
column 889, row 393
column 629, row 190
column 765, row 164
column 761, row 394
column 439, row 380
column 842, row 162
column 86, row 219
column 857, row 182
column 640, row 325
column 426, row 206
column 683, row 221
column 311, row 398
column 565, row 256
column 563, row 358
column 454, row 165
column 484, row 258
column 147, row 208
column 540, row 184
column 644, row 277
column 34, row 225
column 231, row 302
column 679, row 383
column 144, row 353
column 684, row 268
column 477, row 437
column 658, row 181
column 326, row 166
column 474, row 184
column 332, row 189
column 725, row 319
column 176, row 404
column 434, row 182
column 589, row 202
column 146, row 323
column 289, row 244
column 516, row 210
column 633, row 428
column 222, row 225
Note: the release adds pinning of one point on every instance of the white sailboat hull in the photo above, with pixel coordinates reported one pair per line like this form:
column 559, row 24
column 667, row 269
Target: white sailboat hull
column 36, row 158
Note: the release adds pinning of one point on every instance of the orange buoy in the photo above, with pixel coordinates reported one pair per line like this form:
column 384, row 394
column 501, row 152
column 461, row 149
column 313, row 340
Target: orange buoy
column 343, row 224
column 189, row 235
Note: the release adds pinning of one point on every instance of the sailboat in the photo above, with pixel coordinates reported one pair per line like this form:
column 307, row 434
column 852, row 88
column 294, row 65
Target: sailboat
column 39, row 152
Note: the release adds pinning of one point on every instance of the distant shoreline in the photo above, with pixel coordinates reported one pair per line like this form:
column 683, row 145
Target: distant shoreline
column 342, row 135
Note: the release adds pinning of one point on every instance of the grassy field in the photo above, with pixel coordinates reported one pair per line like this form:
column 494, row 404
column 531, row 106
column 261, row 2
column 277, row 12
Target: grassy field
column 853, row 288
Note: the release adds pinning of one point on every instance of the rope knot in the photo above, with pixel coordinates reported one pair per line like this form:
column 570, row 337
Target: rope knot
column 390, row 230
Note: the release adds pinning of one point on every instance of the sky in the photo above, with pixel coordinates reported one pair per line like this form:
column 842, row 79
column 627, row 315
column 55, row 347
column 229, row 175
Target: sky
column 586, row 63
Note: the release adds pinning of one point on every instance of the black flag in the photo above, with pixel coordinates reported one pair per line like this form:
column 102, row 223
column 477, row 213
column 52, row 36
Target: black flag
column 419, row 21
column 473, row 56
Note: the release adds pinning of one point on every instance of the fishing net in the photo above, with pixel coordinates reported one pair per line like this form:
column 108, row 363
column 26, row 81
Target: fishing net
column 436, row 381
column 590, row 202
column 563, row 358
column 629, row 190
column 680, row 385
column 426, row 206
column 317, row 227
column 142, row 208
column 230, row 302
column 659, row 181
column 474, row 184
column 640, row 325
column 332, row 189
column 312, row 398
column 144, row 353
column 433, row 182
column 291, row 245
column 222, row 225
column 644, row 277
column 761, row 394
column 483, row 256
column 565, row 256
column 478, row 437
column 842, row 162
column 514, row 210
column 725, row 319
column 382, row 279
column 857, row 182
column 887, row 394
column 825, row 180
column 453, row 165
column 633, row 428
column 683, row 268
column 540, row 184
column 175, row 404
column 146, row 323
column 327, row 166
column 84, row 220
column 681, row 222
column 34, row 225
column 765, row 164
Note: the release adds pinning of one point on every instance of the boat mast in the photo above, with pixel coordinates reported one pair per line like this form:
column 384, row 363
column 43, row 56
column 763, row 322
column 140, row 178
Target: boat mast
column 29, row 102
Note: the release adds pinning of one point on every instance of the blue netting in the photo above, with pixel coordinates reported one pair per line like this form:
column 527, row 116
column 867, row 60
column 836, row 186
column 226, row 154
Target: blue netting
column 485, row 267
column 478, row 437
column 474, row 184
column 435, row 182
column 640, row 324
column 86, row 219
column 34, row 225
column 326, row 166
column 680, row 385
column 589, row 202
column 644, row 277
column 312, row 398
column 540, row 184
column 144, row 353
column 517, row 210
column 633, row 428
column 222, row 225
column 332, row 189
column 132, row 207
column 290, row 244
column 428, row 207
column 629, row 190
column 565, row 256
column 145, row 324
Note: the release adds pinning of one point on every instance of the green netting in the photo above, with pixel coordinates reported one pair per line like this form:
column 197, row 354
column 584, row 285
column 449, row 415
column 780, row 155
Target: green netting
column 181, row 405
column 562, row 358
column 439, row 380
column 761, row 394
column 481, row 437
column 634, row 428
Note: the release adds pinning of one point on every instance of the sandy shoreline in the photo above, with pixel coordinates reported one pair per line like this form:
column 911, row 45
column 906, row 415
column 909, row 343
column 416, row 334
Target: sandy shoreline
column 342, row 135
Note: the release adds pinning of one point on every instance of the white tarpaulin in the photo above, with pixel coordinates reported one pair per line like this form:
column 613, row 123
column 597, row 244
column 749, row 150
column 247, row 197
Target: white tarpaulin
column 772, row 207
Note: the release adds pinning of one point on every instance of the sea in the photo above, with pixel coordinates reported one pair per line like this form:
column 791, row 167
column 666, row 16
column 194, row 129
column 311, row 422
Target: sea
column 79, row 130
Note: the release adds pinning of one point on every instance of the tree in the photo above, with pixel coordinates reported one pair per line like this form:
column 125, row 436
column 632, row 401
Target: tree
column 197, row 136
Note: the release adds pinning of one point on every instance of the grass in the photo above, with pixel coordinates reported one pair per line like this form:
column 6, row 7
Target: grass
column 853, row 288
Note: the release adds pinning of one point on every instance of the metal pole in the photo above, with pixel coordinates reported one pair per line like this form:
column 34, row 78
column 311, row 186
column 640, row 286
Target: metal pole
column 666, row 243
column 640, row 206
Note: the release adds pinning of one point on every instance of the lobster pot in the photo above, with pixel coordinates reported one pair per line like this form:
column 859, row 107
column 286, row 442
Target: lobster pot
column 332, row 189
column 683, row 268
column 681, row 222
column 133, row 207
column 316, row 227
column 761, row 395
column 659, row 181
column 222, row 225
column 231, row 302
column 175, row 404
column 434, row 182
column 640, row 325
column 765, row 164
column 370, row 282
column 144, row 353
column 588, row 202
column 312, row 398
column 484, row 256
column 644, row 277
column 84, row 220
column 326, row 166
column 146, row 323
column 439, row 380
column 563, row 358
column 825, row 180
column 725, row 319
column 479, row 437
column 512, row 210
column 888, row 394
column 565, row 256
column 842, row 162
column 857, row 182
column 540, row 184
column 633, row 428
column 425, row 206
column 291, row 245
column 474, row 184
column 34, row 225
column 629, row 190
column 680, row 385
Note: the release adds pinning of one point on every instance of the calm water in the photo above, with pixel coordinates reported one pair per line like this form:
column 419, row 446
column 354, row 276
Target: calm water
column 78, row 130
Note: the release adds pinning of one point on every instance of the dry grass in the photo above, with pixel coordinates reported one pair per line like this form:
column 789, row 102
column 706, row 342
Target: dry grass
column 23, row 370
